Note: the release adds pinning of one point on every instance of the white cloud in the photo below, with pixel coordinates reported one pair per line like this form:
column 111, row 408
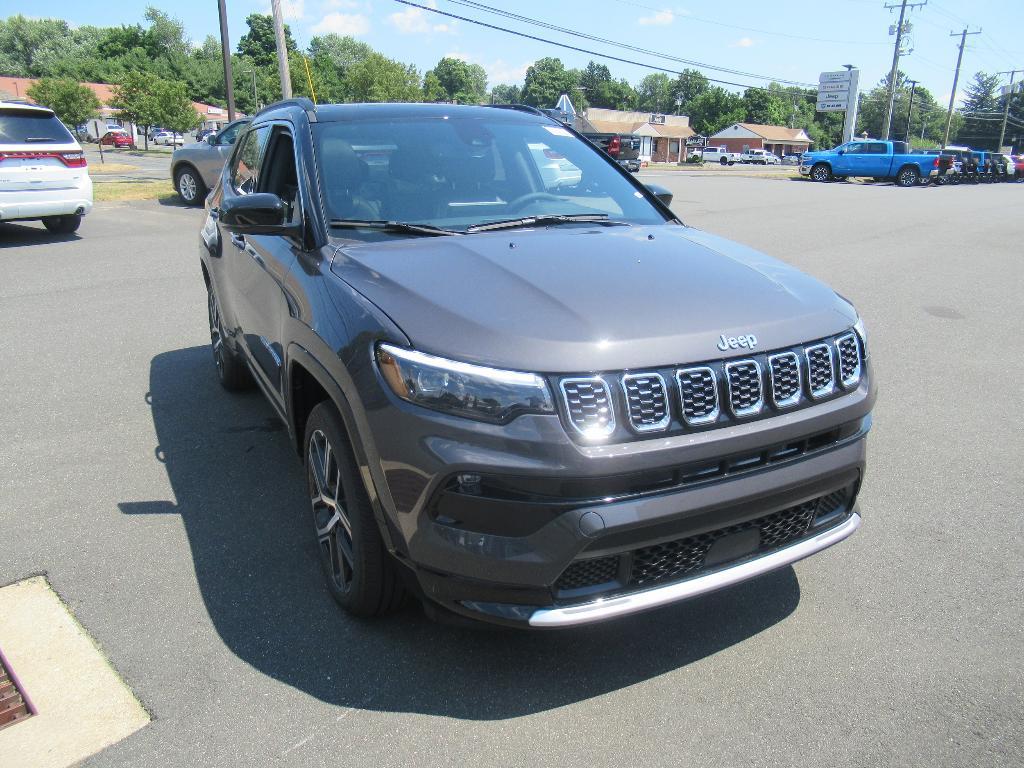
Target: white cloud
column 348, row 4
column 743, row 42
column 354, row 24
column 657, row 19
column 416, row 21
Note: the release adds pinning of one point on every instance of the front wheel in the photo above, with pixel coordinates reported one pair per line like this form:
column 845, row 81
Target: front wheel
column 189, row 185
column 361, row 575
column 725, row 161
column 821, row 172
column 908, row 177
column 231, row 369
column 62, row 225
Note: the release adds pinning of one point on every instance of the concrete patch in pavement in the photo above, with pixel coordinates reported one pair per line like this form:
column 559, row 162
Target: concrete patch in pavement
column 82, row 704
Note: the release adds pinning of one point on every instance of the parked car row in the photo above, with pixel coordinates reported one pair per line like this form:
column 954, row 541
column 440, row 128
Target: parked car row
column 749, row 156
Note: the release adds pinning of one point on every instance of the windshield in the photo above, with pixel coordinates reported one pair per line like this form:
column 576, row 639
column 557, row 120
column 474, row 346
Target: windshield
column 459, row 172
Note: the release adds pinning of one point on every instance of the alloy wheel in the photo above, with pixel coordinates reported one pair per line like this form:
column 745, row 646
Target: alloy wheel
column 330, row 517
column 187, row 186
column 216, row 332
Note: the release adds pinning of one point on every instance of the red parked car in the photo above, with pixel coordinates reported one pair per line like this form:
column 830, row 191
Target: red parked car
column 117, row 139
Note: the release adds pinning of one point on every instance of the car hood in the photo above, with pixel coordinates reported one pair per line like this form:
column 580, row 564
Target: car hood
column 577, row 299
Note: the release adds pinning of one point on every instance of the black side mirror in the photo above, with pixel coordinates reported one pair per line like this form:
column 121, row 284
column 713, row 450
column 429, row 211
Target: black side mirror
column 661, row 193
column 261, row 213
column 841, row 152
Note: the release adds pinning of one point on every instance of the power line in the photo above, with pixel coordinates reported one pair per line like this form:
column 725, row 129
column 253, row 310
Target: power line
column 896, row 53
column 555, row 28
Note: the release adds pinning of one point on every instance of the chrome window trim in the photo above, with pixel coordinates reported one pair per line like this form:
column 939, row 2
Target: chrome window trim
column 644, row 428
column 855, row 379
column 796, row 397
column 711, row 417
column 592, row 434
column 750, row 410
column 818, row 394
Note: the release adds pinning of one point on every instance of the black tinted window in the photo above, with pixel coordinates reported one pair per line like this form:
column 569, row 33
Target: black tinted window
column 19, row 126
column 876, row 149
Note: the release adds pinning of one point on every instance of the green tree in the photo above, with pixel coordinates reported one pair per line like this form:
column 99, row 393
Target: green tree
column 259, row 43
column 504, row 94
column 982, row 112
column 378, row 78
column 714, row 109
column 547, row 79
column 461, row 81
column 73, row 103
column 654, row 94
column 432, row 88
column 20, row 40
column 166, row 35
column 686, row 87
column 135, row 102
column 766, row 106
column 172, row 108
column 338, row 51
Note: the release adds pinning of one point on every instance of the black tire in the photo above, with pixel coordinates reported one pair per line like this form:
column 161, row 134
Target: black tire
column 908, row 177
column 821, row 172
column 725, row 161
column 232, row 372
column 360, row 573
column 189, row 185
column 63, row 225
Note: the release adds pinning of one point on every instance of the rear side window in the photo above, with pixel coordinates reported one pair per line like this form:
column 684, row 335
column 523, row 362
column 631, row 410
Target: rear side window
column 19, row 126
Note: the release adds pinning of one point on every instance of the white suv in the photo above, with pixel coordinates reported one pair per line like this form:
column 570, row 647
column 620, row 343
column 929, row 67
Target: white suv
column 43, row 173
column 760, row 156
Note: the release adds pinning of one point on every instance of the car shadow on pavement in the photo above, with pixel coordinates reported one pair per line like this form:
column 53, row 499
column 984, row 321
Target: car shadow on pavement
column 239, row 489
column 19, row 234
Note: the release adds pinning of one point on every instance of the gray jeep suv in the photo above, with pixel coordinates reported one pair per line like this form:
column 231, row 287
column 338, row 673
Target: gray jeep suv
column 527, row 405
column 196, row 167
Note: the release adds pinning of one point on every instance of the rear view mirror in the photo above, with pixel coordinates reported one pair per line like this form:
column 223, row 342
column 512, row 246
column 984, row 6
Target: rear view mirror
column 261, row 213
column 661, row 193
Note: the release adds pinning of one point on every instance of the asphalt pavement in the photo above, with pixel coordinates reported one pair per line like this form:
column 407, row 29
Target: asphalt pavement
column 170, row 516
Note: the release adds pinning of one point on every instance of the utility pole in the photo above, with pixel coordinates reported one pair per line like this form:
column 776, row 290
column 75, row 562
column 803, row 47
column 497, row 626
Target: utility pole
column 900, row 29
column 1006, row 106
column 225, row 50
column 956, row 79
column 282, row 50
column 910, row 106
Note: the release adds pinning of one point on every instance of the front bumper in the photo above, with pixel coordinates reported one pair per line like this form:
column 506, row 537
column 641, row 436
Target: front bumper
column 489, row 518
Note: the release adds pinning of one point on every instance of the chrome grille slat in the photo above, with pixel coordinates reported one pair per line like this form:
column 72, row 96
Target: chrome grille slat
column 588, row 402
column 698, row 395
column 786, row 380
column 646, row 401
column 821, row 378
column 848, row 354
column 746, row 394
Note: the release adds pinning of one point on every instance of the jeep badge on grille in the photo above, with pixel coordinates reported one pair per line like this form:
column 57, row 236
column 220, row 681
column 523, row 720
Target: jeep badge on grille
column 725, row 343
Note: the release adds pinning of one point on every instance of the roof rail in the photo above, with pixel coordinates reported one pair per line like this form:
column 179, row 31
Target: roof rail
column 299, row 101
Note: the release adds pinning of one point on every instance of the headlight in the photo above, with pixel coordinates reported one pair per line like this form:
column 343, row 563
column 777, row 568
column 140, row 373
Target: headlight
column 472, row 391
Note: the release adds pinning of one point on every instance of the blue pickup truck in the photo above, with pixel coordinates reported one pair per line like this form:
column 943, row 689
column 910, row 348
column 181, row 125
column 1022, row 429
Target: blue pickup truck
column 891, row 160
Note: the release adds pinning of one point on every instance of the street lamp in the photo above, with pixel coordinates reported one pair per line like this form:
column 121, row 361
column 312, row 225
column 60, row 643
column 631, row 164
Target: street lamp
column 255, row 95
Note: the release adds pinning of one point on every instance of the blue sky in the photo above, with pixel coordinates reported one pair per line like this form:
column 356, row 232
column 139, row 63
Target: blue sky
column 793, row 40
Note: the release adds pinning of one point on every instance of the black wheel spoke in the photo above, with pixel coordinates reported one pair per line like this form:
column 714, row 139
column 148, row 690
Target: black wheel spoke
column 330, row 519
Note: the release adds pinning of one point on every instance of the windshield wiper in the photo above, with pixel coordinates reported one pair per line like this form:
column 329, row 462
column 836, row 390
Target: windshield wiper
column 550, row 218
column 392, row 226
column 34, row 139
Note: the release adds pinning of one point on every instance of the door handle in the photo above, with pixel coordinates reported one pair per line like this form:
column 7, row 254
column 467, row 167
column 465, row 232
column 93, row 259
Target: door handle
column 238, row 241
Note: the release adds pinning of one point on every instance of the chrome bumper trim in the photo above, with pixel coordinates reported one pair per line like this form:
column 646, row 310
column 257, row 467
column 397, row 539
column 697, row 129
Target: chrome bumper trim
column 613, row 607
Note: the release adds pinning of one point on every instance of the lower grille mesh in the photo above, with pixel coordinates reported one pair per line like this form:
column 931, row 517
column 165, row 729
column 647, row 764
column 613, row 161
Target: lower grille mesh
column 671, row 560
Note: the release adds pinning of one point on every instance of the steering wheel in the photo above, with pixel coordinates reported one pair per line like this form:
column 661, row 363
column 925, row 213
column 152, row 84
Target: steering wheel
column 522, row 200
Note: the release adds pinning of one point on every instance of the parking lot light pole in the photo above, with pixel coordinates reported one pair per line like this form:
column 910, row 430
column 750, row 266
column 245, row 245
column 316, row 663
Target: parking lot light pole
column 225, row 50
column 1006, row 106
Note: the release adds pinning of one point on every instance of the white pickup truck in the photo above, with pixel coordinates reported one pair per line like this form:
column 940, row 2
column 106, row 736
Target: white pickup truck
column 720, row 155
column 760, row 157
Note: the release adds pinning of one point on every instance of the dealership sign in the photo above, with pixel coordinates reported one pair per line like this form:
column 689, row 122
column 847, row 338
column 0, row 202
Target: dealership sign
column 696, row 141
